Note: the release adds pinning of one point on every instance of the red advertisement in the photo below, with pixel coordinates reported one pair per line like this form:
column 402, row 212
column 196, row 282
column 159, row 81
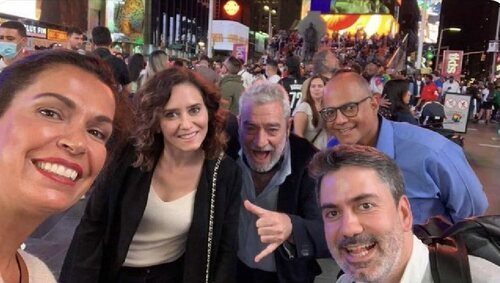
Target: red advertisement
column 452, row 63
column 240, row 51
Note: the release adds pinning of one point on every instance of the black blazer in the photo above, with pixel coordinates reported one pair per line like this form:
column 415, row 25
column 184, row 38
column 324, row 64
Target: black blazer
column 115, row 209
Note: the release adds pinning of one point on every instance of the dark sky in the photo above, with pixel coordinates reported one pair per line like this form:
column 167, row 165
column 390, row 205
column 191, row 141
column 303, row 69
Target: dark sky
column 478, row 20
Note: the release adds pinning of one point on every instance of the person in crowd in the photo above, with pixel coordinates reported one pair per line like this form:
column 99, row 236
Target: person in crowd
column 368, row 219
column 272, row 71
column 245, row 75
column 397, row 91
column 430, row 91
column 293, row 81
column 280, row 226
column 75, row 39
column 101, row 38
column 231, row 85
column 203, row 68
column 450, row 86
column 487, row 94
column 438, row 81
column 325, row 63
column 439, row 180
column 12, row 42
column 166, row 210
column 45, row 95
column 157, row 61
column 136, row 68
column 306, row 119
column 496, row 102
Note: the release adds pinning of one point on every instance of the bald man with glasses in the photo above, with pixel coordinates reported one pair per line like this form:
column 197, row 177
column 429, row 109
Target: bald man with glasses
column 439, row 180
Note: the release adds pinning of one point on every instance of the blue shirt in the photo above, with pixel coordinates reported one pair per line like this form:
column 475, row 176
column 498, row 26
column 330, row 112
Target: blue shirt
column 438, row 178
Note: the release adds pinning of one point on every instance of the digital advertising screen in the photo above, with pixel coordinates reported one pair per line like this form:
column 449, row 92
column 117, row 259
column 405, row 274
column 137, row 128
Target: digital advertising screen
column 371, row 24
column 353, row 6
column 431, row 12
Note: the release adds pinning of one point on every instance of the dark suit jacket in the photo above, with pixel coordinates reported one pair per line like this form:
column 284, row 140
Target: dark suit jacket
column 297, row 198
column 101, row 241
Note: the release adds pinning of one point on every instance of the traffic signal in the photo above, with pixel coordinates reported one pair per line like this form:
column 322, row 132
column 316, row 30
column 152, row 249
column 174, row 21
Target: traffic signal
column 429, row 55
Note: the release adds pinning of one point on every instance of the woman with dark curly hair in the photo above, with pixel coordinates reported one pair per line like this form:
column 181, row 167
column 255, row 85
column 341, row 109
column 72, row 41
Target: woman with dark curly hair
column 167, row 209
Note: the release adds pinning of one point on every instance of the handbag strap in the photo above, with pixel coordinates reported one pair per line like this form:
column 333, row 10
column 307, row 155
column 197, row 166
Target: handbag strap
column 211, row 216
column 316, row 136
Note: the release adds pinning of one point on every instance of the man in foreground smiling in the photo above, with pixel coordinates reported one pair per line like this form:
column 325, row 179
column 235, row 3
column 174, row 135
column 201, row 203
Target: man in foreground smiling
column 368, row 220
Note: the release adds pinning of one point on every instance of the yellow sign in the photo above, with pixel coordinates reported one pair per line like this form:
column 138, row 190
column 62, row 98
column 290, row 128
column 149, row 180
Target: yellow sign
column 232, row 8
column 59, row 35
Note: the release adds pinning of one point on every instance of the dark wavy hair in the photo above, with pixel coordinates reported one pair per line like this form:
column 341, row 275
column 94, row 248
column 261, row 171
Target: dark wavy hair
column 155, row 94
column 395, row 90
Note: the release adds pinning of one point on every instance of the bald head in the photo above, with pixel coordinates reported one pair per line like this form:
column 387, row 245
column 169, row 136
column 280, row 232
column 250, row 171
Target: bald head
column 348, row 93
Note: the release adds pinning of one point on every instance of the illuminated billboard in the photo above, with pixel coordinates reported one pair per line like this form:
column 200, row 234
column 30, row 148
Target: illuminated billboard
column 352, row 6
column 25, row 9
column 371, row 24
column 430, row 11
column 125, row 20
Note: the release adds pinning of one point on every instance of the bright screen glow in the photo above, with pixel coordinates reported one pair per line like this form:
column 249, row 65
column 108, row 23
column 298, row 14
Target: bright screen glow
column 25, row 8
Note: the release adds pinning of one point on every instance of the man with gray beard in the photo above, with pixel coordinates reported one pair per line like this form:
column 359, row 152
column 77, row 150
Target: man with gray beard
column 280, row 229
column 368, row 219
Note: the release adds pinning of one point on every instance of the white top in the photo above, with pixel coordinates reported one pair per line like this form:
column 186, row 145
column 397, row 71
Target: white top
column 274, row 79
column 37, row 270
column 322, row 140
column 484, row 94
column 162, row 233
column 453, row 87
column 418, row 269
column 2, row 64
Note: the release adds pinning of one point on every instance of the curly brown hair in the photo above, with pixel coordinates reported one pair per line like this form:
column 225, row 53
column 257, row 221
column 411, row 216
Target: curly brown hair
column 154, row 95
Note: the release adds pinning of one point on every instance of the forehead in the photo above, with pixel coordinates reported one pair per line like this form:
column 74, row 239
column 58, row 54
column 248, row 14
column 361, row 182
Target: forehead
column 9, row 32
column 261, row 114
column 184, row 93
column 343, row 89
column 76, row 35
column 346, row 184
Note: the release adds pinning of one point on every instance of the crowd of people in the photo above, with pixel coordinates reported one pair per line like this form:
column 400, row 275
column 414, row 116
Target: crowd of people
column 218, row 173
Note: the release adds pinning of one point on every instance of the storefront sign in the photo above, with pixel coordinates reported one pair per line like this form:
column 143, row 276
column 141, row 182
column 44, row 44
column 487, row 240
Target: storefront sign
column 58, row 35
column 452, row 63
column 36, row 31
column 240, row 51
column 227, row 33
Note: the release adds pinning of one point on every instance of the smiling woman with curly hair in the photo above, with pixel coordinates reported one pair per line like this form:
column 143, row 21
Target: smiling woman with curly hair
column 168, row 208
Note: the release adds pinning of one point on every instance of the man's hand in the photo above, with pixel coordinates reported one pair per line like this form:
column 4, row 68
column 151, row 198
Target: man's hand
column 273, row 228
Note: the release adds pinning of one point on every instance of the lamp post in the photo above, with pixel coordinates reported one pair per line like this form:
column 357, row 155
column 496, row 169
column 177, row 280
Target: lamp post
column 440, row 40
column 269, row 23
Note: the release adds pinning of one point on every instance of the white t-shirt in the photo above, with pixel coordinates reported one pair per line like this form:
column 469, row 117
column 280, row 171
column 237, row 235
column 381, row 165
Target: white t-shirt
column 321, row 141
column 274, row 79
column 162, row 233
column 38, row 271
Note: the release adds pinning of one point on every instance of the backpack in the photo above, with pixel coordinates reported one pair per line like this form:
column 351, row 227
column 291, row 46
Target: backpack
column 450, row 244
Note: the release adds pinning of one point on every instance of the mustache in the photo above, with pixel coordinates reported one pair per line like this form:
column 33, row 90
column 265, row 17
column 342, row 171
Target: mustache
column 360, row 239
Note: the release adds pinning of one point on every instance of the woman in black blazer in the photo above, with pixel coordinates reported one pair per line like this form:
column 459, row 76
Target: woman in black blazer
column 175, row 161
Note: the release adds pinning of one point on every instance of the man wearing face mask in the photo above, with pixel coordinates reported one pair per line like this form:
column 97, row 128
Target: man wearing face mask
column 12, row 42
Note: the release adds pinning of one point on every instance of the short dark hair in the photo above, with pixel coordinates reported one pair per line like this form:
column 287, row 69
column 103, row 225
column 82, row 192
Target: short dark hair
column 272, row 63
column 74, row 30
column 21, row 29
column 233, row 65
column 101, row 36
column 340, row 156
column 205, row 57
column 154, row 95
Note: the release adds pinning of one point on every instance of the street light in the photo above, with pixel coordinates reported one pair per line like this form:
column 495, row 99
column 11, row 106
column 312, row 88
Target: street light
column 440, row 40
column 269, row 24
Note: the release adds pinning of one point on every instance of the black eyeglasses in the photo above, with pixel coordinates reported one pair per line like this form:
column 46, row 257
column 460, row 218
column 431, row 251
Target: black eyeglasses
column 349, row 110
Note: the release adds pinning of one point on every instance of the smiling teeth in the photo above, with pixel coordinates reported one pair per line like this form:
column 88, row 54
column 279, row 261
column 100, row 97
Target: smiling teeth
column 58, row 169
column 187, row 136
column 359, row 251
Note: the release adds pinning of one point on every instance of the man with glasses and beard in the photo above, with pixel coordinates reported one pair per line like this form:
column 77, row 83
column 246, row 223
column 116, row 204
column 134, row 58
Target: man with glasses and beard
column 368, row 219
column 439, row 180
column 280, row 229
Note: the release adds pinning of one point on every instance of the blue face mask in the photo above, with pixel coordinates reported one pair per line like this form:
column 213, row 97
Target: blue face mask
column 8, row 50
